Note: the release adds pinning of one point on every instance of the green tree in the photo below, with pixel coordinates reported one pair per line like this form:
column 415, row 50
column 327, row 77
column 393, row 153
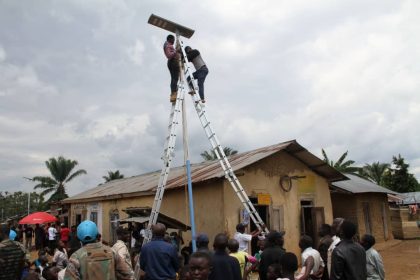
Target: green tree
column 375, row 172
column 12, row 204
column 342, row 165
column 113, row 176
column 61, row 173
column 211, row 155
column 399, row 179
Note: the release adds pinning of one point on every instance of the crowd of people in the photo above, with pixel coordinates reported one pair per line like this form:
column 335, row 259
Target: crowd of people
column 79, row 253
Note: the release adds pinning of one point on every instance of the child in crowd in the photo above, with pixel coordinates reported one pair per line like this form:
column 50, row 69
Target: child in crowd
column 273, row 271
column 43, row 263
column 51, row 273
column 199, row 266
column 60, row 258
column 184, row 273
column 289, row 265
column 37, row 262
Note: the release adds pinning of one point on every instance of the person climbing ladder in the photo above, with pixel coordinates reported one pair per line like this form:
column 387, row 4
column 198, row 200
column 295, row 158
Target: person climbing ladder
column 173, row 65
column 201, row 72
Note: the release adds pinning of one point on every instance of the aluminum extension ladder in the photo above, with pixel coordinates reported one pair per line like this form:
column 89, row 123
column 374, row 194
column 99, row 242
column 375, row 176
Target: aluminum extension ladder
column 211, row 136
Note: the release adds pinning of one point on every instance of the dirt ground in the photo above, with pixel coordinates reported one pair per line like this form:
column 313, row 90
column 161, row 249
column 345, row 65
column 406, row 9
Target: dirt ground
column 402, row 261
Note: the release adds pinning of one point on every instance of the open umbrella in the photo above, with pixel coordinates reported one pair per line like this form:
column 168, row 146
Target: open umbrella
column 38, row 218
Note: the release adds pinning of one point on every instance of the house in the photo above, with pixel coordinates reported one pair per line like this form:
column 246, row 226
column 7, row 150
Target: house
column 364, row 203
column 410, row 198
column 405, row 216
column 288, row 185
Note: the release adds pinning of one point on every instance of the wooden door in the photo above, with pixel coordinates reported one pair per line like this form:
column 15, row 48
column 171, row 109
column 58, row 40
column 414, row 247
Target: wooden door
column 318, row 218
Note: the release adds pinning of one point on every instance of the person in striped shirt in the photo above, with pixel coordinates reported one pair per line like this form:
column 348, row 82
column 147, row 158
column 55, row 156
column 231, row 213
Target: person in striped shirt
column 13, row 256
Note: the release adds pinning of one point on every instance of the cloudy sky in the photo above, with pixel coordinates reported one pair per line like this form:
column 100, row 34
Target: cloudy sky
column 88, row 80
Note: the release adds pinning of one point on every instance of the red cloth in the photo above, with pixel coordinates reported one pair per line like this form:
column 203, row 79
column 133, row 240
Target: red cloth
column 64, row 234
column 169, row 50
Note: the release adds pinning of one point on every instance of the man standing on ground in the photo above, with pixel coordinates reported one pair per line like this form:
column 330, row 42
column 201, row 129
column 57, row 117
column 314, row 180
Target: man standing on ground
column 74, row 243
column 39, row 237
column 273, row 250
column 159, row 259
column 201, row 69
column 29, row 233
column 312, row 263
column 244, row 238
column 52, row 232
column 335, row 230
column 121, row 250
column 242, row 257
column 64, row 234
column 94, row 260
column 12, row 255
column 348, row 258
column 223, row 266
column 374, row 264
column 324, row 243
column 202, row 242
column 173, row 65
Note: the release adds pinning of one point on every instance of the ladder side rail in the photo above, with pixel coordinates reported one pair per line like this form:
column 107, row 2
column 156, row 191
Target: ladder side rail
column 224, row 162
column 156, row 204
column 187, row 71
column 217, row 148
column 171, row 138
column 170, row 125
column 165, row 170
column 161, row 189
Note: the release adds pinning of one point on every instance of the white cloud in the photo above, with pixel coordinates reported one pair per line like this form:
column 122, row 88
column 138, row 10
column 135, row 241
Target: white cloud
column 88, row 80
column 136, row 52
column 2, row 54
column 119, row 126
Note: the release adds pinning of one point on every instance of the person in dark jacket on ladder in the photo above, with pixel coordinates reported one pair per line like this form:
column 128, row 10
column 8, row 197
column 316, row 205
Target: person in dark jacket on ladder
column 201, row 70
column 173, row 65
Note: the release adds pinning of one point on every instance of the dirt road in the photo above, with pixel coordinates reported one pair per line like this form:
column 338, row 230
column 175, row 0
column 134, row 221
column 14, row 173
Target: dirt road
column 402, row 261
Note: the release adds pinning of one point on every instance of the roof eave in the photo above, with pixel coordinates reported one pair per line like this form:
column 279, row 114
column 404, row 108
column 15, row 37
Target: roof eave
column 108, row 197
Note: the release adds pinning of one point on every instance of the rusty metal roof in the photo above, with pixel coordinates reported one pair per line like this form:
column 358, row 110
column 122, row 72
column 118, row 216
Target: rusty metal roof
column 146, row 184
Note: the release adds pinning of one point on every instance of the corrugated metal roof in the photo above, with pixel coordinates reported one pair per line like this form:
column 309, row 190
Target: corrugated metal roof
column 146, row 184
column 360, row 185
column 410, row 198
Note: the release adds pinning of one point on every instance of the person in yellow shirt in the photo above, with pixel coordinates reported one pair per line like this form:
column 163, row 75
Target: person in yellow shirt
column 242, row 257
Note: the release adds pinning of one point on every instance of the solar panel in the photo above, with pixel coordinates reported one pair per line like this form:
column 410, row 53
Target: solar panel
column 170, row 26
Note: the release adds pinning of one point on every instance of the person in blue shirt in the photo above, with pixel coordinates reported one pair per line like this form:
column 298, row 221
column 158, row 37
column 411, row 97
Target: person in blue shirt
column 158, row 258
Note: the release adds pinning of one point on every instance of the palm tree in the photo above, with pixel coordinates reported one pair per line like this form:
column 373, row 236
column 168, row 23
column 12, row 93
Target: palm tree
column 61, row 173
column 341, row 165
column 211, row 155
column 375, row 172
column 113, row 176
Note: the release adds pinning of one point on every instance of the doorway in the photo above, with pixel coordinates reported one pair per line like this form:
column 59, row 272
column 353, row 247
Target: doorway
column 264, row 214
column 78, row 219
column 311, row 220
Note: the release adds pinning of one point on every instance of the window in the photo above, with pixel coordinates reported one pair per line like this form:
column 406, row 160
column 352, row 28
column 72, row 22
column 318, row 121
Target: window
column 94, row 217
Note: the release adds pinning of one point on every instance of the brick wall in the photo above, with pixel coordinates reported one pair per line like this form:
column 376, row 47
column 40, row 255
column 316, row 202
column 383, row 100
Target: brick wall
column 344, row 206
column 404, row 225
column 380, row 215
column 353, row 207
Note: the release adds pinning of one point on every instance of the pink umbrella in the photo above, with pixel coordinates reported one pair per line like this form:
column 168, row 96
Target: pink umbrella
column 38, row 218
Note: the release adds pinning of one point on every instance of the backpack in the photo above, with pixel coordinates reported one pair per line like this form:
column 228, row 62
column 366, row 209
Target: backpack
column 100, row 264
